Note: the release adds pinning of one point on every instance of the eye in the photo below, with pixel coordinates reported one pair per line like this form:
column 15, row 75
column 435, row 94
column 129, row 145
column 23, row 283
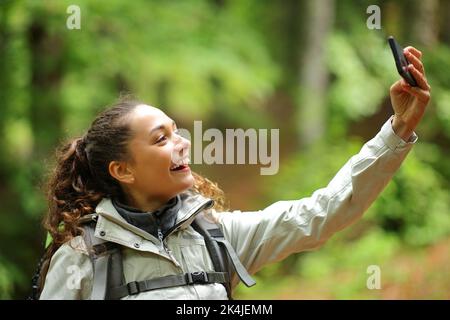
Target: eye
column 161, row 139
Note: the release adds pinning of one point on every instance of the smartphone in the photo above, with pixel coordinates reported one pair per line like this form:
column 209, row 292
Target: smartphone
column 401, row 62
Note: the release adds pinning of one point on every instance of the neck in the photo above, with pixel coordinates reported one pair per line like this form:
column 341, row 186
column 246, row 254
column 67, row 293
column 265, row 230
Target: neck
column 145, row 204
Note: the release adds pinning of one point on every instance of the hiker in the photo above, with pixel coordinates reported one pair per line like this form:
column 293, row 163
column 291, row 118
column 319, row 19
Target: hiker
column 129, row 220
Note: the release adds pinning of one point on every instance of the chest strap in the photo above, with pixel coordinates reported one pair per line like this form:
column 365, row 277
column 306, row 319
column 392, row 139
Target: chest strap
column 186, row 279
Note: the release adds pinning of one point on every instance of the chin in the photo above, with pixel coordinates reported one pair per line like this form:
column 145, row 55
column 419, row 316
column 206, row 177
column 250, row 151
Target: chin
column 191, row 182
column 187, row 183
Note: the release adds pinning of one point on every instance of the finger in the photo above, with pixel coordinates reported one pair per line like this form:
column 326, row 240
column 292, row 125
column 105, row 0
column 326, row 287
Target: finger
column 414, row 51
column 420, row 78
column 415, row 61
column 420, row 94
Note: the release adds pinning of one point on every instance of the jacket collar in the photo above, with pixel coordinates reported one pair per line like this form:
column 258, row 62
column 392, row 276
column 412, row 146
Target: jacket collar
column 156, row 222
column 111, row 226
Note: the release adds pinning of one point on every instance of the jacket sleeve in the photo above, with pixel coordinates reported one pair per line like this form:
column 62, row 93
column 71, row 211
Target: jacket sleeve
column 287, row 227
column 69, row 276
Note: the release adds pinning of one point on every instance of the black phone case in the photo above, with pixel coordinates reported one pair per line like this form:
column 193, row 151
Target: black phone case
column 401, row 62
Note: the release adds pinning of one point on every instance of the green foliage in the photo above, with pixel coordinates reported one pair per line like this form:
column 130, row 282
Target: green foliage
column 436, row 61
column 181, row 51
column 373, row 248
column 305, row 172
column 416, row 204
column 370, row 66
column 9, row 276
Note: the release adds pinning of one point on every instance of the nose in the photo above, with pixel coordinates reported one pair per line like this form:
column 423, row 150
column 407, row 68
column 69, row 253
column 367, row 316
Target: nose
column 182, row 146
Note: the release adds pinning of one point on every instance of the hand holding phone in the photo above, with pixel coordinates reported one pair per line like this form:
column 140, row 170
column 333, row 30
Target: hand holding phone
column 401, row 62
column 410, row 95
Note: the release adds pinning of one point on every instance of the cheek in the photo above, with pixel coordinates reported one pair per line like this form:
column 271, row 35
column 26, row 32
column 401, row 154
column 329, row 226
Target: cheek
column 154, row 162
column 160, row 160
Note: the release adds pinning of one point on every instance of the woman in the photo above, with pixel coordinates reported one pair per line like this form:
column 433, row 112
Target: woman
column 123, row 171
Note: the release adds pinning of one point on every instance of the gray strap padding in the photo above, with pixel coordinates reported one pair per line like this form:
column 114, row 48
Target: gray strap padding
column 234, row 259
column 99, row 283
column 218, row 256
column 115, row 277
column 106, row 258
column 216, row 233
column 136, row 287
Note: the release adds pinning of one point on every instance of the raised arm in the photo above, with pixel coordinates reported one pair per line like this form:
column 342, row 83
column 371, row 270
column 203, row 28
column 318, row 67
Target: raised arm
column 287, row 227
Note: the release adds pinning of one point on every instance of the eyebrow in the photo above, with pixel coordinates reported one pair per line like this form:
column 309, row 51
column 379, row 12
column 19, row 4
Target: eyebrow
column 161, row 126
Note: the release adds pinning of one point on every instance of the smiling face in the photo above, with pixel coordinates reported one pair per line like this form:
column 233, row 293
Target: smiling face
column 153, row 174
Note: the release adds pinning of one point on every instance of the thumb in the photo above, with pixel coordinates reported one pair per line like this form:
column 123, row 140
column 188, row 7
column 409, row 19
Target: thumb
column 399, row 86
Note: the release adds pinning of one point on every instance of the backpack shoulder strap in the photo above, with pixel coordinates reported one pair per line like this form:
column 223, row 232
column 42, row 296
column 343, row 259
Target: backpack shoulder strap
column 222, row 253
column 217, row 255
column 38, row 279
column 106, row 258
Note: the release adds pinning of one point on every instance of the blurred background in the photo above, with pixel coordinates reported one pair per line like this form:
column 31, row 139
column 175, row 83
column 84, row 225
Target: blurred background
column 313, row 69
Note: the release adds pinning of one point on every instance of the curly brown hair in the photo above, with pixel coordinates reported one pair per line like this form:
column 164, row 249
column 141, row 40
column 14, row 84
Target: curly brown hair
column 80, row 178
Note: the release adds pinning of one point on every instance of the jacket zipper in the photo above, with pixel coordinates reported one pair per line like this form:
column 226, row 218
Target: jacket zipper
column 164, row 245
column 204, row 205
column 166, row 249
column 162, row 238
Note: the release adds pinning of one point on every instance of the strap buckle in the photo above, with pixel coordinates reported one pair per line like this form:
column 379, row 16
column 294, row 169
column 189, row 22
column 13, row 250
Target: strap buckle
column 133, row 288
column 197, row 277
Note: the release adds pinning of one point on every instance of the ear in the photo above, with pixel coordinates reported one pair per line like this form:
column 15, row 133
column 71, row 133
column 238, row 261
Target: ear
column 121, row 171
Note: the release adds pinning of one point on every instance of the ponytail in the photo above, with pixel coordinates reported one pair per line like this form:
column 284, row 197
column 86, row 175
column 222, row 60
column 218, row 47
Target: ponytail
column 71, row 193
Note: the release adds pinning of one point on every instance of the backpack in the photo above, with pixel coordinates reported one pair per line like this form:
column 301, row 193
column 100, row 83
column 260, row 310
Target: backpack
column 108, row 280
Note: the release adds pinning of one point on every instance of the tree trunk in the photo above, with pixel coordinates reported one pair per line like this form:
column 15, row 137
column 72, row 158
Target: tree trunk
column 445, row 21
column 46, row 68
column 313, row 75
column 425, row 27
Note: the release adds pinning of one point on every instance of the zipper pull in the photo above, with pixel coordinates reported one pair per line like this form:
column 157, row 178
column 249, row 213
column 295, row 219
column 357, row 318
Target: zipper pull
column 166, row 249
column 160, row 235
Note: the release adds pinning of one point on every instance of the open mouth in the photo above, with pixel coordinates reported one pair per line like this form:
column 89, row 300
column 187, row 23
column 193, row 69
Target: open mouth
column 182, row 165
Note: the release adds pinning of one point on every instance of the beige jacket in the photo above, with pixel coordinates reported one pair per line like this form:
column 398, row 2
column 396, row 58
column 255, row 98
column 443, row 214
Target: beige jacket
column 259, row 237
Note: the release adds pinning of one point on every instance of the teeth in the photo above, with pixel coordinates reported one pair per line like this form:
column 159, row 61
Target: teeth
column 182, row 162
